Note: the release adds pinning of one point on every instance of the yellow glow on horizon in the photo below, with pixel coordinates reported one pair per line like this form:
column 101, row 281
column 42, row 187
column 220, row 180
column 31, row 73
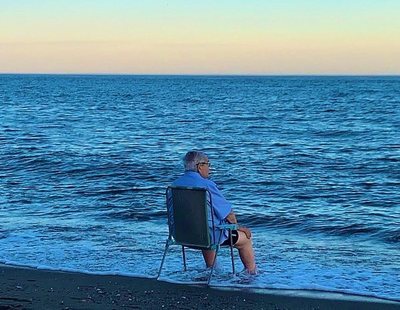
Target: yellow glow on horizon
column 177, row 37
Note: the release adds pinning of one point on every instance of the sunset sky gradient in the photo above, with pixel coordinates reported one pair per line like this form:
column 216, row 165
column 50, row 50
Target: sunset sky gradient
column 200, row 37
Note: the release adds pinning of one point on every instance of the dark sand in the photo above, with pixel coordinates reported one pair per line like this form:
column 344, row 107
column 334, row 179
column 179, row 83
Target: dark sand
column 23, row 288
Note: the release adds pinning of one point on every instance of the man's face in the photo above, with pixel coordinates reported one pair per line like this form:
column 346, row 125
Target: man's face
column 203, row 168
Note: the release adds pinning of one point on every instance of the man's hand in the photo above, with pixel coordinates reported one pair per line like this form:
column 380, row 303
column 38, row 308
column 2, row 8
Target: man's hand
column 246, row 231
column 231, row 218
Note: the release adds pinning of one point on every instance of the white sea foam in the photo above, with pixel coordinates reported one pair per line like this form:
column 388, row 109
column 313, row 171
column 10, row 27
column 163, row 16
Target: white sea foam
column 118, row 253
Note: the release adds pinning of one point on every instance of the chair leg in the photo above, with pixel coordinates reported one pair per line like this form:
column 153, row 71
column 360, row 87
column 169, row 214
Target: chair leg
column 162, row 261
column 184, row 258
column 213, row 266
column 233, row 261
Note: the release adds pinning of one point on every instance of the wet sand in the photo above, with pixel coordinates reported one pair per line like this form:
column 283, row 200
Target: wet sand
column 24, row 288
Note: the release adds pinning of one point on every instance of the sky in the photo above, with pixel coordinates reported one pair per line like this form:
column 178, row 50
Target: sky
column 263, row 37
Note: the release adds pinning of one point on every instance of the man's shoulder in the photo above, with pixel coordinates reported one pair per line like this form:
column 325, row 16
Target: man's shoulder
column 210, row 183
column 194, row 180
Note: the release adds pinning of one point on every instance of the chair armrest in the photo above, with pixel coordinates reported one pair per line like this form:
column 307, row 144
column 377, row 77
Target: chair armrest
column 228, row 226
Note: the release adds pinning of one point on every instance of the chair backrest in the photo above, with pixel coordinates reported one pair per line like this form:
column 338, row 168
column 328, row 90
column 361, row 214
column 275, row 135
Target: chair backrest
column 188, row 216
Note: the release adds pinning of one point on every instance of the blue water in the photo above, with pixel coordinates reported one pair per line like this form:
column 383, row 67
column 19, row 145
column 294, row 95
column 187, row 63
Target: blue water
column 311, row 164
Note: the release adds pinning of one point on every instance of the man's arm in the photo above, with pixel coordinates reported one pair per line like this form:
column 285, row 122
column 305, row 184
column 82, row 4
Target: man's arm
column 222, row 207
column 231, row 218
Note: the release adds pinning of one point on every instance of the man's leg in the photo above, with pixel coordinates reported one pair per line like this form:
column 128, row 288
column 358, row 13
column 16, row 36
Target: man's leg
column 209, row 256
column 246, row 253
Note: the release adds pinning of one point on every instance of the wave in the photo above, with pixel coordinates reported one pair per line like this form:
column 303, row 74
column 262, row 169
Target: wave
column 393, row 236
column 327, row 225
column 342, row 230
column 3, row 234
column 389, row 159
column 190, row 100
column 130, row 214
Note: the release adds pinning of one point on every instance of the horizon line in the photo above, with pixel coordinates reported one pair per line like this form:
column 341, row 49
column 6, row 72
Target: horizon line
column 212, row 74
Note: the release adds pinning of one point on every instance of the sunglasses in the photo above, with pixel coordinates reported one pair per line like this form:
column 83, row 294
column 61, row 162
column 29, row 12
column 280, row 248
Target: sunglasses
column 205, row 163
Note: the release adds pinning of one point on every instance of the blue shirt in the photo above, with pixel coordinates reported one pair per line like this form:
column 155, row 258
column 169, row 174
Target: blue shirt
column 221, row 206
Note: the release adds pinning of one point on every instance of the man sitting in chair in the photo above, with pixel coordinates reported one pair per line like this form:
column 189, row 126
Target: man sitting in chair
column 197, row 170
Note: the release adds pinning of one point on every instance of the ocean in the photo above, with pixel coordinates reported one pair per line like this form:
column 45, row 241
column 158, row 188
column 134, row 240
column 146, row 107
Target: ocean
column 310, row 164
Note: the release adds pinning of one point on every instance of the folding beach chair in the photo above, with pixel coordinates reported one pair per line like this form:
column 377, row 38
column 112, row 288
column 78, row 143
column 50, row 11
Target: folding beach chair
column 190, row 223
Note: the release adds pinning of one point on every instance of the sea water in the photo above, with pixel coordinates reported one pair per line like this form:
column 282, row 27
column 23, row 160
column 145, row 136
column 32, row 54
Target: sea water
column 310, row 164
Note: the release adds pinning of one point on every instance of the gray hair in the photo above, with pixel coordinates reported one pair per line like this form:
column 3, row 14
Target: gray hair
column 192, row 158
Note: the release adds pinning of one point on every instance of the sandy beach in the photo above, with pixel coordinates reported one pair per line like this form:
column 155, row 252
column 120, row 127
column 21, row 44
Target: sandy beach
column 25, row 288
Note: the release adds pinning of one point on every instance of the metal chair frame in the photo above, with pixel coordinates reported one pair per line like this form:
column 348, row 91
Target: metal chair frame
column 210, row 246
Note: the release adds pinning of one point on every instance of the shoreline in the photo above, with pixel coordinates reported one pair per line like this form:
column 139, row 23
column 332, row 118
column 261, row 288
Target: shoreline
column 29, row 288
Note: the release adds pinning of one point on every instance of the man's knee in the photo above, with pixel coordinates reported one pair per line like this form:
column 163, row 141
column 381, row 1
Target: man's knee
column 243, row 240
